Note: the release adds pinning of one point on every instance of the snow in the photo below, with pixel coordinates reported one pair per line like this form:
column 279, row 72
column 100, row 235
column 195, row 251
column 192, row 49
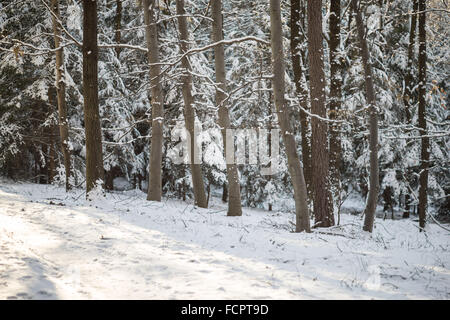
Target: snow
column 122, row 184
column 57, row 245
column 74, row 17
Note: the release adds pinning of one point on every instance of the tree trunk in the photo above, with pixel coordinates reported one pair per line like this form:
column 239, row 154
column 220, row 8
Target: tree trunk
column 234, row 192
column 51, row 163
column 225, row 192
column 61, row 93
column 294, row 166
column 297, row 55
column 269, row 147
column 409, row 85
column 323, row 212
column 349, row 26
column 151, row 33
column 371, row 204
column 94, row 154
column 118, row 20
column 336, row 63
column 189, row 113
column 409, row 71
column 51, row 160
column 406, row 209
column 425, row 152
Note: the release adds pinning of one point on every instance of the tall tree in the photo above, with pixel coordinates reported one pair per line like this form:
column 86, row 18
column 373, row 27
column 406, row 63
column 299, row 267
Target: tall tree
column 61, row 91
column 425, row 152
column 234, row 192
column 294, row 166
column 51, row 152
column 323, row 212
column 157, row 101
column 409, row 69
column 335, row 99
column 189, row 113
column 94, row 153
column 298, row 59
column 409, row 85
column 118, row 24
column 373, row 121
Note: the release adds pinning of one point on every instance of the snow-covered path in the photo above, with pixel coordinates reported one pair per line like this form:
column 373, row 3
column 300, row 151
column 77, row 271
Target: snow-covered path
column 55, row 245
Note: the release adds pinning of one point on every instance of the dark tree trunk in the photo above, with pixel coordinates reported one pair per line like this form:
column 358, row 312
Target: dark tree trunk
column 51, row 167
column 234, row 201
column 425, row 152
column 294, row 166
column 225, row 192
column 297, row 56
column 349, row 26
column 336, row 63
column 94, row 154
column 409, row 85
column 118, row 24
column 407, row 204
column 36, row 165
column 409, row 71
column 373, row 122
column 189, row 113
column 61, row 94
column 323, row 211
column 269, row 147
column 151, row 32
column 51, row 160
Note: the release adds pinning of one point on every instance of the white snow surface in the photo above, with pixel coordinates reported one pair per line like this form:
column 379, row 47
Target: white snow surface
column 57, row 245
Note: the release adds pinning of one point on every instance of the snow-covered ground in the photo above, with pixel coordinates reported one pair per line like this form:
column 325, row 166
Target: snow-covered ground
column 55, row 245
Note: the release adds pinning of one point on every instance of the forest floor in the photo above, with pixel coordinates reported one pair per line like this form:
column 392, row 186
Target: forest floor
column 57, row 245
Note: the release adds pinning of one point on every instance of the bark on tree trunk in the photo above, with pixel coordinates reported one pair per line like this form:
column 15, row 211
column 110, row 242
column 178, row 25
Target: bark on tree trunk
column 225, row 192
column 294, row 166
column 51, row 138
column 269, row 147
column 94, row 154
column 409, row 72
column 373, row 122
column 151, row 33
column 406, row 210
column 51, row 160
column 409, row 85
column 323, row 211
column 297, row 55
column 189, row 113
column 425, row 152
column 61, row 93
column 336, row 63
column 118, row 20
column 234, row 192
column 349, row 25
